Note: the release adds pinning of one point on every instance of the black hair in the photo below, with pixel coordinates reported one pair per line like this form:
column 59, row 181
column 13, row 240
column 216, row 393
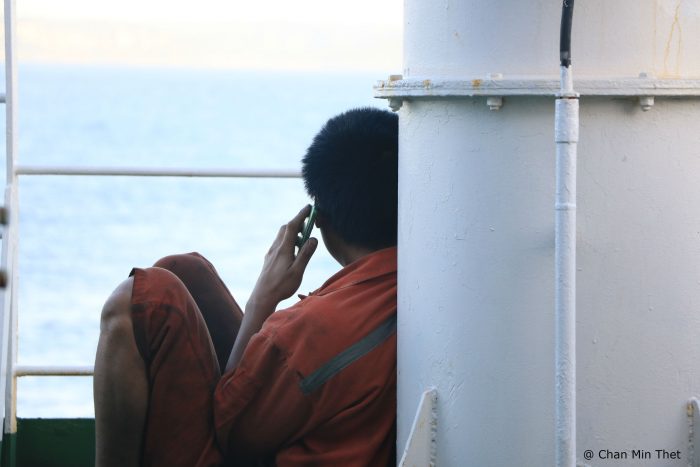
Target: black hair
column 351, row 171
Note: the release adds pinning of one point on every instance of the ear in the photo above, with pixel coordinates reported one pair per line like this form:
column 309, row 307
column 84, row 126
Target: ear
column 320, row 221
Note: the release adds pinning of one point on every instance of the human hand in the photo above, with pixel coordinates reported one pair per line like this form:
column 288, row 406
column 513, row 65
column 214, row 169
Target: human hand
column 282, row 272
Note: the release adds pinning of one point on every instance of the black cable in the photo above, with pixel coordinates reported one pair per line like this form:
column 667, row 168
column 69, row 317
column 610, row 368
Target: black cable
column 567, row 15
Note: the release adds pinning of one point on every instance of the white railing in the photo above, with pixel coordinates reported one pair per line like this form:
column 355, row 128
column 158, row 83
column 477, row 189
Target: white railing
column 157, row 172
column 38, row 370
column 9, row 370
column 8, row 258
column 18, row 371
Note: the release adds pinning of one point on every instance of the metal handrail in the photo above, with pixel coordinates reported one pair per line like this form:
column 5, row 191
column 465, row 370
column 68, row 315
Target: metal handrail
column 9, row 371
column 39, row 370
column 156, row 172
column 8, row 258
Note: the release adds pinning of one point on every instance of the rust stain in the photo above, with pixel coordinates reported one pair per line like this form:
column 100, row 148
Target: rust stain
column 476, row 83
column 675, row 26
column 656, row 14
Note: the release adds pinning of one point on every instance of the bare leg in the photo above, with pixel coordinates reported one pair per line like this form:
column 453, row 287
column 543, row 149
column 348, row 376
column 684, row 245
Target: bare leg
column 120, row 385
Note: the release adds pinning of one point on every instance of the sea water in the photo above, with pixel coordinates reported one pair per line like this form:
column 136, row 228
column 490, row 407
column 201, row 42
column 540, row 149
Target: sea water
column 80, row 236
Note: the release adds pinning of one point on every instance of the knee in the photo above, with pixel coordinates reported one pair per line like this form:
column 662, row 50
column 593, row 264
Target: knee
column 116, row 312
column 191, row 268
column 181, row 261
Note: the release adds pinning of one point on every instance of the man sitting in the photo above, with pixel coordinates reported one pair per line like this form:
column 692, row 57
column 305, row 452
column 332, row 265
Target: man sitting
column 314, row 384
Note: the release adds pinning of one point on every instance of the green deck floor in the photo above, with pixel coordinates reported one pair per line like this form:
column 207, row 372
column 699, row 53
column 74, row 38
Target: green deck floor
column 50, row 442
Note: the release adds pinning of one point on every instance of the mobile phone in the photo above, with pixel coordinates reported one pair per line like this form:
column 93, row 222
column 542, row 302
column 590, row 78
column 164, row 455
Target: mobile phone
column 306, row 230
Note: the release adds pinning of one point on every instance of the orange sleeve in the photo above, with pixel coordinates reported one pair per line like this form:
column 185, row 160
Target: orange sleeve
column 259, row 407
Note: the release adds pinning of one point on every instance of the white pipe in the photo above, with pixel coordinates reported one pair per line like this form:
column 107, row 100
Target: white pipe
column 566, row 138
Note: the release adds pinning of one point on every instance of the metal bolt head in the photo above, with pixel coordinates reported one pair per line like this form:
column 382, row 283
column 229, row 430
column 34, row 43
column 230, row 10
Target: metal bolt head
column 646, row 102
column 395, row 103
column 494, row 102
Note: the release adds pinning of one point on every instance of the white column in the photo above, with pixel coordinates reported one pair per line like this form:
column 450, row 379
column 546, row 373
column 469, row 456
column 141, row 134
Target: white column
column 476, row 230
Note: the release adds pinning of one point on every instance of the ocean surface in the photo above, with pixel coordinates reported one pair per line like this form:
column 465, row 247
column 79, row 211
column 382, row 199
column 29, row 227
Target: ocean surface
column 80, row 236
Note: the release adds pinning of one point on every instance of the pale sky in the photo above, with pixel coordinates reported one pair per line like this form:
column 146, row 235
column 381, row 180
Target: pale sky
column 362, row 11
column 274, row 34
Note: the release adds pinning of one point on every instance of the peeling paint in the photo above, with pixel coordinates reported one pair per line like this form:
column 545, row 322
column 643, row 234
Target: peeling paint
column 675, row 26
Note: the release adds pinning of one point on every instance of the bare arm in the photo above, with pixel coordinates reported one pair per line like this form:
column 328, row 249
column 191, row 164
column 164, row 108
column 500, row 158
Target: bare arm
column 280, row 277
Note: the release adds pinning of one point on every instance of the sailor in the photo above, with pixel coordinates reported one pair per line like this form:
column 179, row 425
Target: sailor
column 184, row 378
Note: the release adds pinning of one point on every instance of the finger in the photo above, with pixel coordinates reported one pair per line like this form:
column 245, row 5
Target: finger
column 305, row 254
column 278, row 238
column 295, row 225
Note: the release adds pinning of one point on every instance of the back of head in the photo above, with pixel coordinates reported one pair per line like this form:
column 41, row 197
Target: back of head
column 351, row 171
